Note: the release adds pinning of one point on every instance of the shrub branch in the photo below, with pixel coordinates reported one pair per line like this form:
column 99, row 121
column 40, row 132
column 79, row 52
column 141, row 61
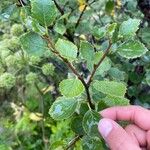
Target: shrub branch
column 73, row 142
column 72, row 68
column 59, row 8
column 99, row 63
column 82, row 13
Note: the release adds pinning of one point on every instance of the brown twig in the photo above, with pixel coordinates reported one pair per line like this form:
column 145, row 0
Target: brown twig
column 79, row 19
column 59, row 8
column 82, row 13
column 99, row 63
column 73, row 142
column 72, row 68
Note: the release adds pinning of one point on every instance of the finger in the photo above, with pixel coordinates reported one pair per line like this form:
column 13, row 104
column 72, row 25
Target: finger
column 115, row 136
column 148, row 140
column 136, row 114
column 137, row 134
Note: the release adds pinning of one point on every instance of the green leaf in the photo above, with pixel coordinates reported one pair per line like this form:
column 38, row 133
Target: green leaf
column 132, row 49
column 116, row 74
column 36, row 27
column 87, row 50
column 111, row 101
column 148, row 77
column 109, row 6
column 57, row 145
column 60, row 28
column 7, row 12
column 105, row 65
column 111, row 88
column 111, row 29
column 71, row 87
column 63, row 108
column 33, row 44
column 92, row 143
column 5, row 147
column 144, row 34
column 44, row 11
column 83, row 108
column 67, row 49
column 76, row 126
column 99, row 32
column 90, row 123
column 128, row 28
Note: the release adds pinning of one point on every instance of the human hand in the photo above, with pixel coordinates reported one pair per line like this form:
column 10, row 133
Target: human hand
column 135, row 136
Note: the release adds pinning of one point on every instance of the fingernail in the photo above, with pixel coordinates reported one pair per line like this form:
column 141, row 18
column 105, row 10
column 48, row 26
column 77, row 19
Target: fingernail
column 105, row 127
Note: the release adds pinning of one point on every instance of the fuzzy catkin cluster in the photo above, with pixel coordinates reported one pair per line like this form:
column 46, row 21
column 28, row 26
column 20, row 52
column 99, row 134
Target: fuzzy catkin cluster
column 7, row 80
column 17, row 29
column 31, row 78
column 48, row 69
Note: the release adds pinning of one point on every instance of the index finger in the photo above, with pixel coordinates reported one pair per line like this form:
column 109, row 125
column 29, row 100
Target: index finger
column 136, row 114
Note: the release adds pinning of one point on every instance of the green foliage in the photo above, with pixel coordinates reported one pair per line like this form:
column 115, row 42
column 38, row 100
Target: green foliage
column 111, row 88
column 74, row 86
column 105, row 66
column 31, row 78
column 7, row 80
column 148, row 77
column 48, row 69
column 132, row 49
column 17, row 29
column 91, row 143
column 61, row 62
column 66, row 49
column 63, row 108
column 111, row 101
column 86, row 50
column 99, row 32
column 33, row 44
column 44, row 11
column 90, row 123
column 128, row 28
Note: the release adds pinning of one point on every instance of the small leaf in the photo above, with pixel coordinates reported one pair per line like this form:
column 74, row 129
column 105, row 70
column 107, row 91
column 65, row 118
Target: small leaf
column 148, row 77
column 67, row 49
column 116, row 74
column 63, row 108
column 90, row 123
column 111, row 29
column 83, row 108
column 111, row 88
column 105, row 65
column 36, row 27
column 60, row 28
column 128, row 28
column 7, row 12
column 109, row 8
column 132, row 49
column 76, row 126
column 144, row 34
column 58, row 145
column 92, row 143
column 44, row 11
column 87, row 50
column 33, row 44
column 99, row 32
column 71, row 87
column 111, row 101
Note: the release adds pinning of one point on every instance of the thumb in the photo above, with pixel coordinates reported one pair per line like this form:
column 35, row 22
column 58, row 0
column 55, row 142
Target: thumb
column 115, row 136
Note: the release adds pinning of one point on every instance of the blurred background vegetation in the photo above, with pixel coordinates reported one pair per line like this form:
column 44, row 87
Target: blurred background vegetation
column 29, row 84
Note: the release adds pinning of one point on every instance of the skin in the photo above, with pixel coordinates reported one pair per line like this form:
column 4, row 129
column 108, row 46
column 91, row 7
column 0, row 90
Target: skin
column 135, row 136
